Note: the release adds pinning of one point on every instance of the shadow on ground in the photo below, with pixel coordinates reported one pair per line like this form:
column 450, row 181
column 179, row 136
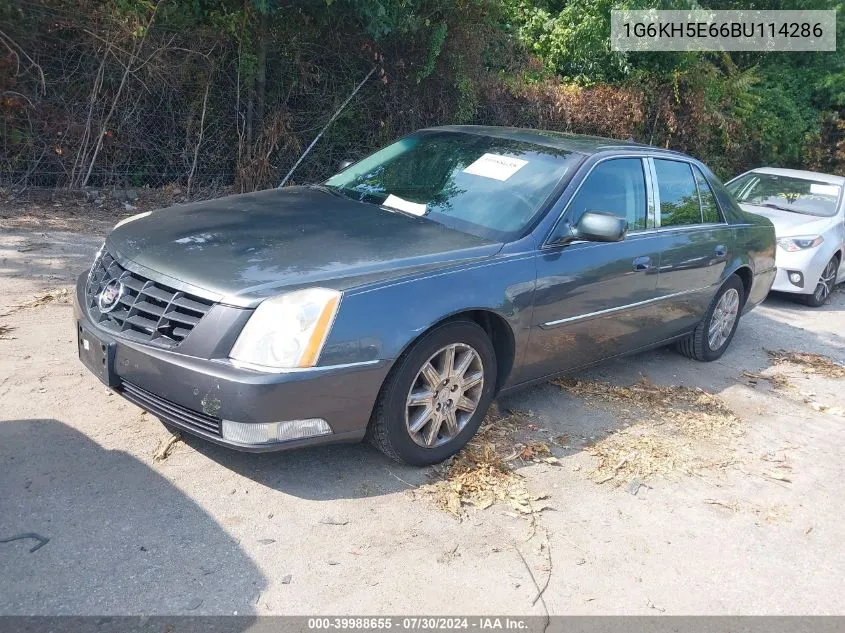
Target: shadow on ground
column 121, row 537
column 345, row 471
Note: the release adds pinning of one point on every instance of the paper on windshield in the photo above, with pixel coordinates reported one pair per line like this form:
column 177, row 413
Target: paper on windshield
column 496, row 166
column 824, row 190
column 395, row 202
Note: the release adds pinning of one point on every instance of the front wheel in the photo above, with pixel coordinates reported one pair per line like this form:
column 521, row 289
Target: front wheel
column 715, row 332
column 825, row 285
column 436, row 396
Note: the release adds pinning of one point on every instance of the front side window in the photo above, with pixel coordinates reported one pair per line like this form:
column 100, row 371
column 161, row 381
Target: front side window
column 484, row 185
column 615, row 186
column 679, row 203
column 786, row 193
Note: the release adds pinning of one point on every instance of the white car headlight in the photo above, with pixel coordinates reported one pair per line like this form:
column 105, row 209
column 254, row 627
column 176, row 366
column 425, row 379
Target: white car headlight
column 287, row 331
column 793, row 244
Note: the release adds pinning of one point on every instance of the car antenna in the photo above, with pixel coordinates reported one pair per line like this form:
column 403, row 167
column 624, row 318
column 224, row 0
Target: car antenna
column 325, row 127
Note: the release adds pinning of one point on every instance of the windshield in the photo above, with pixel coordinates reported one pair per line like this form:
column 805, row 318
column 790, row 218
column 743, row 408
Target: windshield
column 483, row 185
column 798, row 195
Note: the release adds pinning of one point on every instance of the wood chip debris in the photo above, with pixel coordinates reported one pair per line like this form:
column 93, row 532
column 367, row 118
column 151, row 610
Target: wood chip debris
column 809, row 362
column 166, row 447
column 674, row 429
column 59, row 295
column 777, row 381
column 482, row 474
column 767, row 513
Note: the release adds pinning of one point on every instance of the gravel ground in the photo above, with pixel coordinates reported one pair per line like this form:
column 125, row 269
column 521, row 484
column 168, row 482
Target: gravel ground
column 344, row 530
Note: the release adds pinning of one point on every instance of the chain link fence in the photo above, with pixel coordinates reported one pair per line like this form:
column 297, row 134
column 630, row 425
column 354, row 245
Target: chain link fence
column 89, row 101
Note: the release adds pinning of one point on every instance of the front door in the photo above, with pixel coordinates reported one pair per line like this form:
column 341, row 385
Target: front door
column 595, row 300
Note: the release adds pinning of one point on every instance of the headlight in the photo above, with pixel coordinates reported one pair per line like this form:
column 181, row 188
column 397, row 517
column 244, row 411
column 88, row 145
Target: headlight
column 793, row 244
column 287, row 331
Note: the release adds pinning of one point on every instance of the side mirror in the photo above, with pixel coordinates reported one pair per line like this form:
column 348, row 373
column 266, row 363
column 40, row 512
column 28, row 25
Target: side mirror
column 346, row 163
column 600, row 226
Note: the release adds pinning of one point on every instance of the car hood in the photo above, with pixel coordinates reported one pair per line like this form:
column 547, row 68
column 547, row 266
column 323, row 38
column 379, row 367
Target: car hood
column 244, row 248
column 788, row 224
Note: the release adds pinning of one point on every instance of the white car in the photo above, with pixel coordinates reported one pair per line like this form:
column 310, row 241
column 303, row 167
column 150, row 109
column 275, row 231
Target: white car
column 808, row 211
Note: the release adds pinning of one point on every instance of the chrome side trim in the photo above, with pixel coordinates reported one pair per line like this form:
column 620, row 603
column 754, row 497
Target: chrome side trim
column 694, row 227
column 655, row 191
column 298, row 370
column 629, row 306
column 653, row 209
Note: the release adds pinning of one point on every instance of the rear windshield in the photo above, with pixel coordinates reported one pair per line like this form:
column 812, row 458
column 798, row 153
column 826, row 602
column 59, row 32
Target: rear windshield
column 787, row 193
column 487, row 186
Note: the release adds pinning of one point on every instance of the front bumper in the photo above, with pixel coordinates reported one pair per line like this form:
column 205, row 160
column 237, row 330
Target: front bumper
column 196, row 394
column 810, row 263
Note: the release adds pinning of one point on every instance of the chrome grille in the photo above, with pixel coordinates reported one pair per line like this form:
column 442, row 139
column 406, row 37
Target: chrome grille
column 147, row 310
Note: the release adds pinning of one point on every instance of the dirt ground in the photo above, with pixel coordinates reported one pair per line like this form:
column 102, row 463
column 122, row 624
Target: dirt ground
column 608, row 498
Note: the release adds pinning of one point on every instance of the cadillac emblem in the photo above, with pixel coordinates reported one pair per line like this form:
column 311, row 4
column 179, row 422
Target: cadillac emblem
column 110, row 296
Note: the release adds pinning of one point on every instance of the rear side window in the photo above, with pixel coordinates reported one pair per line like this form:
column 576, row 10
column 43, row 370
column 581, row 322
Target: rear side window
column 615, row 186
column 679, row 204
column 709, row 208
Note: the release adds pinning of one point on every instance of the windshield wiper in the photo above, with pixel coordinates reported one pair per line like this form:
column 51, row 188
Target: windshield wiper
column 328, row 190
column 395, row 210
column 779, row 208
column 339, row 193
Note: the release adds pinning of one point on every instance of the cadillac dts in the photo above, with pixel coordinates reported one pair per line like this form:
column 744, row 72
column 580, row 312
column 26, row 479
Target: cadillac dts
column 395, row 300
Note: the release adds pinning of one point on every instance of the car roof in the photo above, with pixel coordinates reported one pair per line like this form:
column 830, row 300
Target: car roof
column 800, row 173
column 580, row 143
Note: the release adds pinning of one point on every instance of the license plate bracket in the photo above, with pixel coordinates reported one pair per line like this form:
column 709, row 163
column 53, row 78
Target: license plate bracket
column 97, row 355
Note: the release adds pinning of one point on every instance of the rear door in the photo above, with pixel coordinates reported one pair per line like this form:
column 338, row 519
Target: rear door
column 696, row 243
column 595, row 300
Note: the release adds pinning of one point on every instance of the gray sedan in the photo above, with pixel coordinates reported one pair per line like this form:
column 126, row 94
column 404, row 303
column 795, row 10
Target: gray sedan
column 395, row 300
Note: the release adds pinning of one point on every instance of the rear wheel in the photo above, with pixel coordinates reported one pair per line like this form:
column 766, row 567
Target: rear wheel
column 434, row 400
column 825, row 285
column 716, row 330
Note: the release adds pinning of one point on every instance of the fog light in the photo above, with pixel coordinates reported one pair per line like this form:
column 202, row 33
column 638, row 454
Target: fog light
column 796, row 278
column 270, row 432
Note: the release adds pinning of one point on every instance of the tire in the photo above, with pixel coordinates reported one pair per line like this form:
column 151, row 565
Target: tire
column 698, row 345
column 824, row 286
column 449, row 426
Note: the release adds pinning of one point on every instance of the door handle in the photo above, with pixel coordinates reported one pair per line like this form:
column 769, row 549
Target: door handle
column 642, row 263
column 721, row 250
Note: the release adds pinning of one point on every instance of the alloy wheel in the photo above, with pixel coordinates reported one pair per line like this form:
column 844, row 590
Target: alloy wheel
column 444, row 395
column 723, row 319
column 826, row 282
